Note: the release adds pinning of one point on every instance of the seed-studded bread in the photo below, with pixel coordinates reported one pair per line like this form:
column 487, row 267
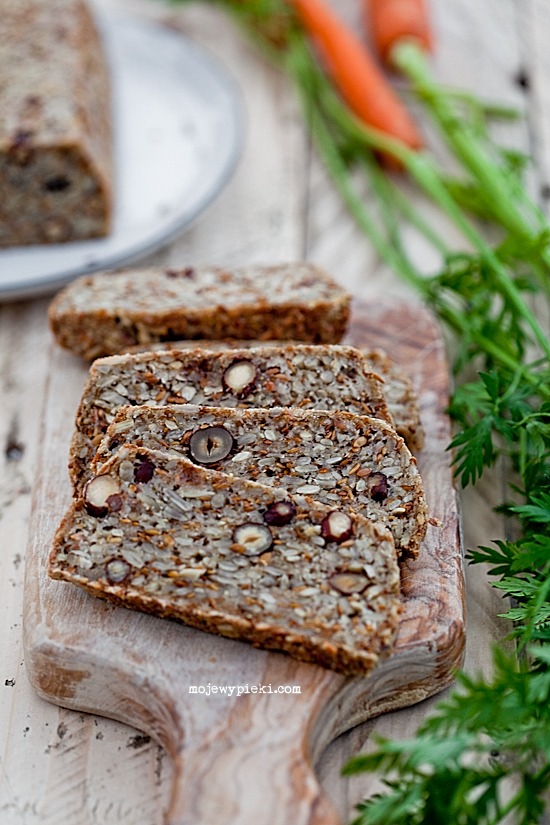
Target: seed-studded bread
column 400, row 397
column 327, row 377
column 106, row 313
column 55, row 134
column 156, row 533
column 340, row 459
column 398, row 390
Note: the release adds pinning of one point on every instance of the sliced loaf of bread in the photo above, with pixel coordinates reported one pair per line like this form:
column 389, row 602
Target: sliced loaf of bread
column 328, row 377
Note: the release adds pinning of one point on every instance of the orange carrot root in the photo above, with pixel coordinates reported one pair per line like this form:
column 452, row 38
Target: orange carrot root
column 355, row 74
column 392, row 21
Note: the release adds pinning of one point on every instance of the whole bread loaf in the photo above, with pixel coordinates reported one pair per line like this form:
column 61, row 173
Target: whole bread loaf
column 106, row 313
column 329, row 377
column 55, row 124
column 156, row 533
column 342, row 460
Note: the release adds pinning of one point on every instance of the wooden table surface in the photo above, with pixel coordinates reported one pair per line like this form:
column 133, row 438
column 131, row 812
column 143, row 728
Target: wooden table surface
column 67, row 768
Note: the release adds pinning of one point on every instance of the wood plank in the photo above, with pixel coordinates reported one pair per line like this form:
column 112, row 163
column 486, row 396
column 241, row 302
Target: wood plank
column 53, row 746
column 533, row 19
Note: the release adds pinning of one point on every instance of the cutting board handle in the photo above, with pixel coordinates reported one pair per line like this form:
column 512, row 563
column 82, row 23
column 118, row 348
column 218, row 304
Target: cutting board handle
column 241, row 776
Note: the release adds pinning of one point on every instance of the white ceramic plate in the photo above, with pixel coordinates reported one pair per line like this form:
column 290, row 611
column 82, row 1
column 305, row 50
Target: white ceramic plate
column 178, row 133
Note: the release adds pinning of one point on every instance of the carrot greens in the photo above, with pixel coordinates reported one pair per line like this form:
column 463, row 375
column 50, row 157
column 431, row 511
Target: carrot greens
column 484, row 755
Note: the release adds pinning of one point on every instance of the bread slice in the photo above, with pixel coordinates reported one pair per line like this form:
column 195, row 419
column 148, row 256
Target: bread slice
column 342, row 460
column 156, row 533
column 399, row 393
column 55, row 124
column 106, row 313
column 327, row 377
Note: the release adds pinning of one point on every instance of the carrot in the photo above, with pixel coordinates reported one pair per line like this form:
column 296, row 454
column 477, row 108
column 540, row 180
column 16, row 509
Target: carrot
column 355, row 74
column 393, row 21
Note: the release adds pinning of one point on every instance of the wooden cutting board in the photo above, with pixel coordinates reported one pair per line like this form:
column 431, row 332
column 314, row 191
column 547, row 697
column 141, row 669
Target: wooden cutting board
column 245, row 759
